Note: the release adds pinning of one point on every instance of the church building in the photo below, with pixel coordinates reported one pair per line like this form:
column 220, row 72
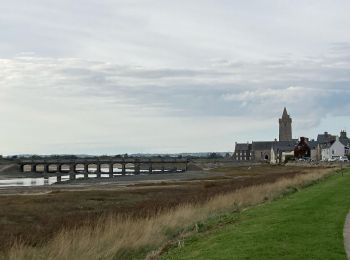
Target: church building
column 266, row 150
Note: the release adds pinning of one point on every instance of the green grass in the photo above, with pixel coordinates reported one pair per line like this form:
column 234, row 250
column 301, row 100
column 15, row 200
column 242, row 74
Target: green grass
column 304, row 225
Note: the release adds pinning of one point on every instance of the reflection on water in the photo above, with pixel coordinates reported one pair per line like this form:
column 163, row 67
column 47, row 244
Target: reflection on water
column 27, row 182
column 40, row 181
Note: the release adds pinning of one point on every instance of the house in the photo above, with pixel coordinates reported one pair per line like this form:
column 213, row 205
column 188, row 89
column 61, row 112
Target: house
column 243, row 152
column 345, row 141
column 332, row 149
column 315, row 151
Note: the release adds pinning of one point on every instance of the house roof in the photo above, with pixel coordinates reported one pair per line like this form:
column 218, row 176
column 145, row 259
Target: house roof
column 329, row 145
column 325, row 138
column 243, row 147
column 345, row 141
column 313, row 144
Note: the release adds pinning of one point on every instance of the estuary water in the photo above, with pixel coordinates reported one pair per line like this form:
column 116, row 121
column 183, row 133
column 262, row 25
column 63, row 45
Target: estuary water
column 28, row 182
column 41, row 181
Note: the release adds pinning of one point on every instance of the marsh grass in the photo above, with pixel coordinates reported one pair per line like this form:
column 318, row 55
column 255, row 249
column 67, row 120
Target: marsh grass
column 115, row 236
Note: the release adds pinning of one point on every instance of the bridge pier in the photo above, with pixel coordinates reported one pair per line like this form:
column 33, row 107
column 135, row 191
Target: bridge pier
column 98, row 170
column 72, row 176
column 72, row 168
column 110, row 170
column 137, row 168
column 86, row 171
column 72, row 171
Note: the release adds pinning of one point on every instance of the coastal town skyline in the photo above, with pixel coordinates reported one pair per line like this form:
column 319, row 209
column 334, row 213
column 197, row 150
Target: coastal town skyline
column 326, row 146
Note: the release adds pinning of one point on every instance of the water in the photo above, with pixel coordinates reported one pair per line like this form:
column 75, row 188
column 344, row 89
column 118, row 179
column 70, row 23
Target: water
column 28, row 182
column 41, row 181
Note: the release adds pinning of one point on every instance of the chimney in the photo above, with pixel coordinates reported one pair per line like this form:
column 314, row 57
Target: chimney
column 343, row 134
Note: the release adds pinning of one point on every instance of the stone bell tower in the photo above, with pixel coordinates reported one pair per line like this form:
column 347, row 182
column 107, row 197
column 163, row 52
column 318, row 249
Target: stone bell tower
column 285, row 127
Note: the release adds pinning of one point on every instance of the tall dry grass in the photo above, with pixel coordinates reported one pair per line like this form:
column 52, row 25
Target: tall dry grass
column 114, row 235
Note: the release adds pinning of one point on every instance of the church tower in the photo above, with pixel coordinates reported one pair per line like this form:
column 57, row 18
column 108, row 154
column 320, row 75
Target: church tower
column 285, row 127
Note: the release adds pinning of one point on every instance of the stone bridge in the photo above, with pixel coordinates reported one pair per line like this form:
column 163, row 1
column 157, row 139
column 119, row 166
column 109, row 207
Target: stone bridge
column 100, row 166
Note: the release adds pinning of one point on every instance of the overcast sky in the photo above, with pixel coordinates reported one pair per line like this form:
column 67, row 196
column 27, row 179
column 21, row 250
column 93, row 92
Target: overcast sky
column 127, row 76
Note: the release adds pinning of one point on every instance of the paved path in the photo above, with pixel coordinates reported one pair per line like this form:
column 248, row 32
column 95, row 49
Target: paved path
column 347, row 235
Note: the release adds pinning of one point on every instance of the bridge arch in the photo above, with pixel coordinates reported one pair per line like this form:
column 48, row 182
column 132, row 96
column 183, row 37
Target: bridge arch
column 117, row 167
column 27, row 168
column 65, row 168
column 130, row 167
column 79, row 167
column 39, row 168
column 53, row 167
column 92, row 167
column 104, row 167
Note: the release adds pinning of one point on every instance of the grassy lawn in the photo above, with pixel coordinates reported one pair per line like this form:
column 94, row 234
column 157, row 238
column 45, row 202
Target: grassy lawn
column 304, row 225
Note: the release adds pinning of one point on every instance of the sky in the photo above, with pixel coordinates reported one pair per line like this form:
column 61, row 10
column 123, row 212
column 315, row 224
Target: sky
column 160, row 76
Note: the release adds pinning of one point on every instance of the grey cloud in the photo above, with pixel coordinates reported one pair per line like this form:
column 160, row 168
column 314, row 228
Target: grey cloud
column 227, row 89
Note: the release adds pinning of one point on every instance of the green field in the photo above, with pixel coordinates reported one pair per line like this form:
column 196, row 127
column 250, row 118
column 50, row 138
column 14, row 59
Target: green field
column 304, row 225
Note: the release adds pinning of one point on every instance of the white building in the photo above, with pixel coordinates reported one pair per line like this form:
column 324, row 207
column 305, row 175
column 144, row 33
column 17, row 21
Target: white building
column 333, row 149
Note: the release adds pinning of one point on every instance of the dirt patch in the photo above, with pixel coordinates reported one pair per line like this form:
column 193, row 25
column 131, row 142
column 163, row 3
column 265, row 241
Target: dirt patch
column 194, row 167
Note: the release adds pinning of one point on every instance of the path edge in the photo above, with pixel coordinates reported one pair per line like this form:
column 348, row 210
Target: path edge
column 346, row 234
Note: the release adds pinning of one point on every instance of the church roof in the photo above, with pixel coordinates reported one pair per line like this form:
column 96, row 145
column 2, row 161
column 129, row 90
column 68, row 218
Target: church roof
column 284, row 146
column 285, row 116
column 285, row 113
column 256, row 146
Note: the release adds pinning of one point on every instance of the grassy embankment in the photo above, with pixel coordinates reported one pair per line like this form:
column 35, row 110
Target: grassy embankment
column 124, row 237
column 304, row 225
